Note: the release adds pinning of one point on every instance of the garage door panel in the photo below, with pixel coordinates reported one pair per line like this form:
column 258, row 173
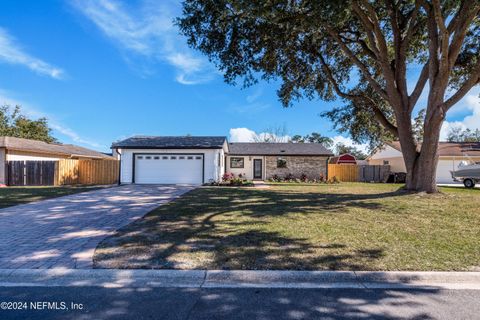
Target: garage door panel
column 168, row 169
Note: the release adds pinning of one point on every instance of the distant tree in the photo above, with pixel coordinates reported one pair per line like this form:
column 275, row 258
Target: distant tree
column 417, row 125
column 315, row 137
column 342, row 149
column 457, row 134
column 298, row 139
column 15, row 124
column 274, row 134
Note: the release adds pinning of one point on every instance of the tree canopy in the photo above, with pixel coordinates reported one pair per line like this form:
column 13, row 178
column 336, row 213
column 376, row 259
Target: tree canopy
column 342, row 149
column 359, row 51
column 15, row 124
column 313, row 137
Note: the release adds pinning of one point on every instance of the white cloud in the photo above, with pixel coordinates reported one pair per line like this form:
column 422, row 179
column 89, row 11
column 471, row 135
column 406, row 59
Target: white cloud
column 12, row 53
column 470, row 104
column 33, row 112
column 242, row 135
column 247, row 135
column 148, row 30
column 349, row 142
column 73, row 135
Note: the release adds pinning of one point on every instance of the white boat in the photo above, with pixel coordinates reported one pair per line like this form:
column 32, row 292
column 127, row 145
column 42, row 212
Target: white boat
column 468, row 173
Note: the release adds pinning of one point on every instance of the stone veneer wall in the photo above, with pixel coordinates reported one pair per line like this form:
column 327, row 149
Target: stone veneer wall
column 312, row 166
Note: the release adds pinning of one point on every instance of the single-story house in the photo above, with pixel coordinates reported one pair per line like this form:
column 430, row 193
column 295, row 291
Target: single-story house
column 262, row 161
column 196, row 160
column 450, row 155
column 19, row 149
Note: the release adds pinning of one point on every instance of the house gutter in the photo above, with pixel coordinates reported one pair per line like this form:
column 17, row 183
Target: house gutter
column 119, row 166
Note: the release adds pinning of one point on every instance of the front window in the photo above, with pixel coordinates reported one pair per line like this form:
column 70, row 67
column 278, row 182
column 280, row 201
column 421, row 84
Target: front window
column 281, row 163
column 236, row 162
column 386, row 162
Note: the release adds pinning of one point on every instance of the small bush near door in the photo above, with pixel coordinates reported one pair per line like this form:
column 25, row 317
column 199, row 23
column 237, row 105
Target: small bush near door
column 229, row 179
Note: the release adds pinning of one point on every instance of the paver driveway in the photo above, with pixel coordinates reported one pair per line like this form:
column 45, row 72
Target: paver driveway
column 64, row 232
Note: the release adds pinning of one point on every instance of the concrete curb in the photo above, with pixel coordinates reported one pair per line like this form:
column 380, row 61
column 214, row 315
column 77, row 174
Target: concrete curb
column 238, row 279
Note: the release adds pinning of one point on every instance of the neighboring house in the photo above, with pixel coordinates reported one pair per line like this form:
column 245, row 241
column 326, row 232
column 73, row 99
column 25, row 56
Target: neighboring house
column 197, row 160
column 18, row 149
column 264, row 160
column 450, row 155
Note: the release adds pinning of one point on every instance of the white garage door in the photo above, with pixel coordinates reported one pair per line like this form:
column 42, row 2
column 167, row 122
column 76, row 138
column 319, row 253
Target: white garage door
column 443, row 170
column 168, row 168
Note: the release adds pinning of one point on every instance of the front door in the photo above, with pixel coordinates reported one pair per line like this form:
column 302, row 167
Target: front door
column 257, row 168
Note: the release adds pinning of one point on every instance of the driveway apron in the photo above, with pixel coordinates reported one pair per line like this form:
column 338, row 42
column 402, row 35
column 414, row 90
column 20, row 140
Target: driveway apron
column 64, row 231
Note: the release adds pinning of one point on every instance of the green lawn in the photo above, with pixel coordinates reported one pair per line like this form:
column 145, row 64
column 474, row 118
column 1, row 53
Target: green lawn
column 12, row 196
column 350, row 226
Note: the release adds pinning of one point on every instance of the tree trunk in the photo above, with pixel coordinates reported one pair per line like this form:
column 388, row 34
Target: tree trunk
column 422, row 165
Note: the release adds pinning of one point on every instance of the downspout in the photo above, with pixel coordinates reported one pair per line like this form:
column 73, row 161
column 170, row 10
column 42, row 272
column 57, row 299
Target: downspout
column 119, row 167
column 326, row 167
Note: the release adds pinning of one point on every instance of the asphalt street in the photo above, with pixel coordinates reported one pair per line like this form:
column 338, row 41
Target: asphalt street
column 236, row 303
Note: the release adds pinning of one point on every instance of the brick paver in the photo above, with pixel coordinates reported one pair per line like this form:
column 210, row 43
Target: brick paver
column 64, row 232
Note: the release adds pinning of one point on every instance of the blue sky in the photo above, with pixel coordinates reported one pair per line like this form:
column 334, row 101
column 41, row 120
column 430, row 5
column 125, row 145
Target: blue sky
column 105, row 70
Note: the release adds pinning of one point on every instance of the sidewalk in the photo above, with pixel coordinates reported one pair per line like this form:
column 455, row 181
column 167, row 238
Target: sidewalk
column 109, row 278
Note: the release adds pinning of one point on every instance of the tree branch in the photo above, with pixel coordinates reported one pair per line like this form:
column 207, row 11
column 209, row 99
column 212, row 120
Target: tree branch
column 375, row 85
column 464, row 89
column 412, row 25
column 388, row 73
column 368, row 26
column 356, row 98
column 467, row 12
column 444, row 36
column 400, row 54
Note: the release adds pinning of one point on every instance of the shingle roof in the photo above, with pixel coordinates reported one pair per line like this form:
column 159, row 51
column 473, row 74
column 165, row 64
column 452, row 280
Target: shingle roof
column 256, row 148
column 69, row 150
column 450, row 149
column 166, row 142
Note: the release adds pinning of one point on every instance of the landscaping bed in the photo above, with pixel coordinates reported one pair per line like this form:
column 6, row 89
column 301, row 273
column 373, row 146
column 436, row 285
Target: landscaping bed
column 346, row 226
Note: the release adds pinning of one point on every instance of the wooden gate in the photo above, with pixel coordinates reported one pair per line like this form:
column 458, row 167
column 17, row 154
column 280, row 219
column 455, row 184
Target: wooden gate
column 343, row 172
column 30, row 173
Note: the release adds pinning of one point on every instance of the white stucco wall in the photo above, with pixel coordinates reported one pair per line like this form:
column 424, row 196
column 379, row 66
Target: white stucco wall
column 247, row 169
column 212, row 171
column 2, row 166
column 386, row 152
column 396, row 164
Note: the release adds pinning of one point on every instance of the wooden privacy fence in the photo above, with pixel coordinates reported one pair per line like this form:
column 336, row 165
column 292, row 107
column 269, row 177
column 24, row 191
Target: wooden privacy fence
column 71, row 171
column 30, row 173
column 358, row 173
column 61, row 172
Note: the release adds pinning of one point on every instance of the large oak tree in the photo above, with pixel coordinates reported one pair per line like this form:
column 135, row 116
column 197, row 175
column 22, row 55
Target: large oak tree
column 360, row 51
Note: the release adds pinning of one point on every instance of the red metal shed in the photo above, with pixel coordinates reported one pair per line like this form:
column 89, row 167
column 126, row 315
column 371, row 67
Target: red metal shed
column 345, row 158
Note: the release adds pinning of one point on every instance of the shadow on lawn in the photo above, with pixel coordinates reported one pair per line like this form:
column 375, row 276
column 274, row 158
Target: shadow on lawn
column 199, row 231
